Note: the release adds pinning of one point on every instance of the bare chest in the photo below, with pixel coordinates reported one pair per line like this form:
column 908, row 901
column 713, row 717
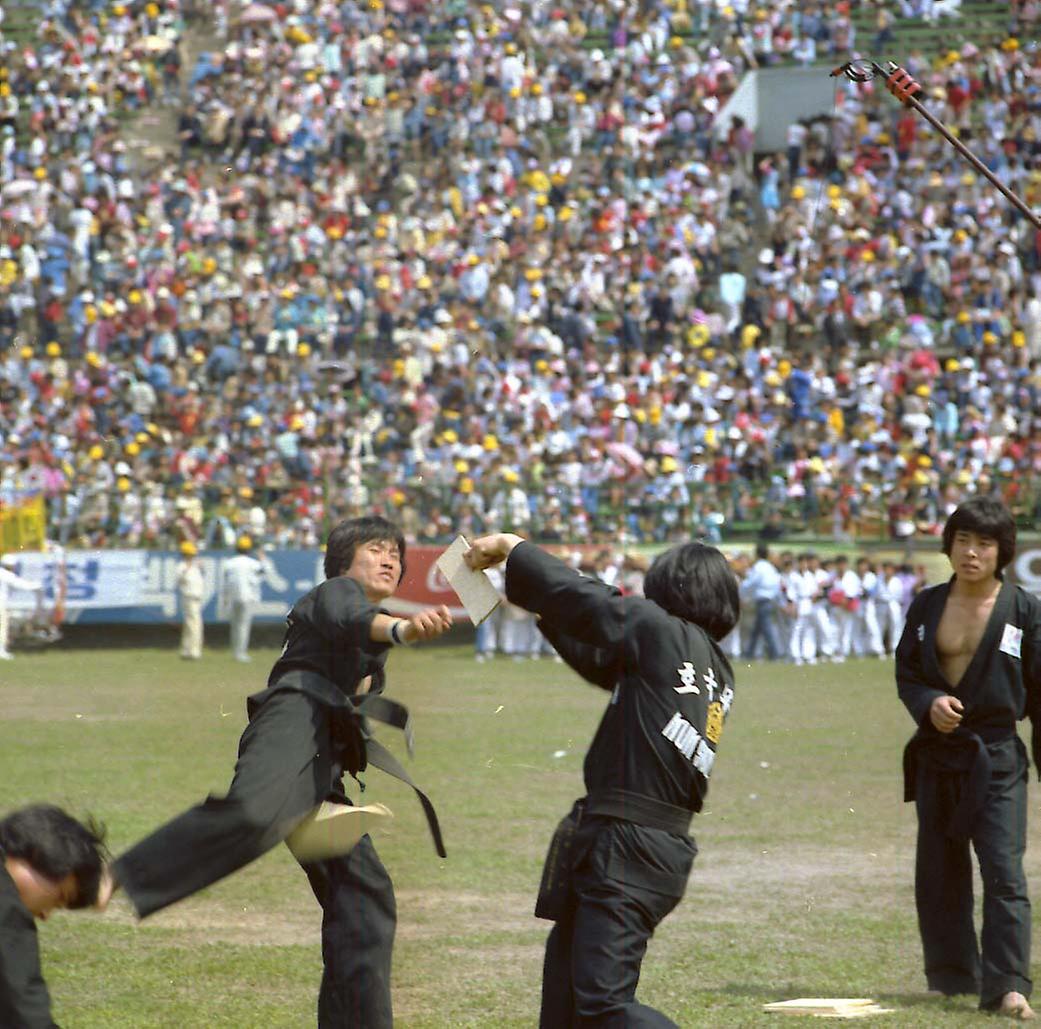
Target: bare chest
column 959, row 633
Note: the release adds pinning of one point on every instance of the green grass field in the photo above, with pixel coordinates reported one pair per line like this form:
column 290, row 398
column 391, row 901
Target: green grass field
column 803, row 884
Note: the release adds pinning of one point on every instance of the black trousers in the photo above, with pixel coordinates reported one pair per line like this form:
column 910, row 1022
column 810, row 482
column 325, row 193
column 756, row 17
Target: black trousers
column 288, row 763
column 626, row 878
column 954, row 962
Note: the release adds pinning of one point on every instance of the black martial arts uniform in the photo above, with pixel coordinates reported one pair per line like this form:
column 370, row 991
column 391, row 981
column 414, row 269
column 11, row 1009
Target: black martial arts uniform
column 619, row 862
column 303, row 734
column 971, row 784
column 24, row 1000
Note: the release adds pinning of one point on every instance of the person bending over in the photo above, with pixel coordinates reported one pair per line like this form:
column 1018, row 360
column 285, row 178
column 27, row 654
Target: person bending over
column 48, row 861
column 619, row 861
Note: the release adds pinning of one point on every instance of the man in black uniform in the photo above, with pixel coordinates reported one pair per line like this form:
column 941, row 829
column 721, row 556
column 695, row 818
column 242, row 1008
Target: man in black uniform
column 619, row 862
column 968, row 667
column 48, row 860
column 304, row 732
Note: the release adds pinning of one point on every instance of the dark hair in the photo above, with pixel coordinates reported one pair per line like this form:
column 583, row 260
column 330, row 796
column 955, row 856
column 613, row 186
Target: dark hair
column 57, row 845
column 345, row 538
column 762, row 550
column 985, row 516
column 694, row 582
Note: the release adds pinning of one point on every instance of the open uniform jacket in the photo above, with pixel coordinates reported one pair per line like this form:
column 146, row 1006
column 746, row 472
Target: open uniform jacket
column 1001, row 685
column 24, row 1000
column 327, row 632
column 671, row 685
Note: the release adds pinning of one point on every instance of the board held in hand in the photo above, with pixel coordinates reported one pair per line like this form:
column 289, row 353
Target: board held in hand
column 474, row 589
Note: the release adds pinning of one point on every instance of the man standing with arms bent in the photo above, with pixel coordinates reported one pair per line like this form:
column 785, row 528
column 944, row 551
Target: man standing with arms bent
column 968, row 667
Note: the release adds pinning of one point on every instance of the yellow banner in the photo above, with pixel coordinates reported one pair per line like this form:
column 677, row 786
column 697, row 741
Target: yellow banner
column 23, row 526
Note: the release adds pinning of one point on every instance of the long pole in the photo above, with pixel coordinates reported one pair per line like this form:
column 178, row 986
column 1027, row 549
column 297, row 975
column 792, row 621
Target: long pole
column 904, row 88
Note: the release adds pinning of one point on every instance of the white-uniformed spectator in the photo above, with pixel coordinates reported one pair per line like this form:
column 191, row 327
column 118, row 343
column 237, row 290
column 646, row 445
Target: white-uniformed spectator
column 10, row 583
column 868, row 628
column 846, row 604
column 190, row 589
column 241, row 579
column 802, row 589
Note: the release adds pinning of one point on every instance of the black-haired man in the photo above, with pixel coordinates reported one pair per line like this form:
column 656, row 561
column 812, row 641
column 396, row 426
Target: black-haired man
column 619, row 862
column 968, row 667
column 48, row 861
column 303, row 734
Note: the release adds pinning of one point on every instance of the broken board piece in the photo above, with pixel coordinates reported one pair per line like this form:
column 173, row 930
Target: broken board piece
column 827, row 1007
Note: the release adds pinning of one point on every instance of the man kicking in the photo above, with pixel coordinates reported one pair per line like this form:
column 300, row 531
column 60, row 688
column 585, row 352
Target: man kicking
column 303, row 734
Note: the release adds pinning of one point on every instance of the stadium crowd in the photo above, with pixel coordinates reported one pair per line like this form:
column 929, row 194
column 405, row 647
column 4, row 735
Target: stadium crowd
column 502, row 264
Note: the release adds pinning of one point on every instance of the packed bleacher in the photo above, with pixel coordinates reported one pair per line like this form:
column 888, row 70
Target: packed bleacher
column 500, row 264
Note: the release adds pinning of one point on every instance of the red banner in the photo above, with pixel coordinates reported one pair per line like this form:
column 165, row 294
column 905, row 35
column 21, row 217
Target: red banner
column 423, row 585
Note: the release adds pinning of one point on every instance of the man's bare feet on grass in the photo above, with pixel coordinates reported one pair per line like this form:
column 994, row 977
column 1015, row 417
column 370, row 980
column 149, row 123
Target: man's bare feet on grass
column 1015, row 1005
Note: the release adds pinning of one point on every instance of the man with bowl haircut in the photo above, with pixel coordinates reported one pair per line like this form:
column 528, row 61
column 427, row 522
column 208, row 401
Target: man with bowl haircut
column 968, row 667
column 48, row 860
column 304, row 733
column 619, row 863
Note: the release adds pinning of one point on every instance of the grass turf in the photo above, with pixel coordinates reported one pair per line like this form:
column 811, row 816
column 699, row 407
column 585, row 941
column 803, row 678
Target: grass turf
column 803, row 886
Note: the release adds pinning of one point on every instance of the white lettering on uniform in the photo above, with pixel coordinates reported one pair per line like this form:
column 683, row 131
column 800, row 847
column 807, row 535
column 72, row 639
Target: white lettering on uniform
column 688, row 741
column 709, row 679
column 688, row 677
column 704, row 759
column 726, row 698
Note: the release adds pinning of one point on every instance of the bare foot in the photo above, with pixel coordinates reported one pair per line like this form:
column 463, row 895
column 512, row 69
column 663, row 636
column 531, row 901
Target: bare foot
column 106, row 887
column 1015, row 1005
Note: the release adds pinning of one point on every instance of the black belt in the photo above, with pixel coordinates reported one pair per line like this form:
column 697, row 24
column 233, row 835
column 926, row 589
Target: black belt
column 641, row 810
column 365, row 705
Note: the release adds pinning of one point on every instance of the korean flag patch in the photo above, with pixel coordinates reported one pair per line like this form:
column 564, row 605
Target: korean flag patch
column 1011, row 640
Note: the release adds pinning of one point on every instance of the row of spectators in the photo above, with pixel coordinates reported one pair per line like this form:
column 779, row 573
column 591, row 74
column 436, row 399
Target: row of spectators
column 451, row 262
column 797, row 607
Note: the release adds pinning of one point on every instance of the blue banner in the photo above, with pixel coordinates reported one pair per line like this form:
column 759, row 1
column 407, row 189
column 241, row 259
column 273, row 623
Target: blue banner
column 106, row 587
